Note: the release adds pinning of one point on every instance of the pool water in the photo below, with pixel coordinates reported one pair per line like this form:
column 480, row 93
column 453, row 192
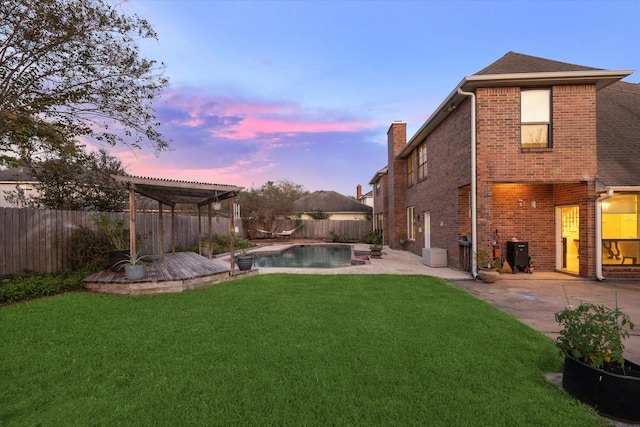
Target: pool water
column 306, row 256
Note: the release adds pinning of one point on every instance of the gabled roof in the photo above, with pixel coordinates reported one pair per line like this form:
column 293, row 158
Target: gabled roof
column 329, row 202
column 514, row 62
column 515, row 69
column 16, row 175
column 618, row 133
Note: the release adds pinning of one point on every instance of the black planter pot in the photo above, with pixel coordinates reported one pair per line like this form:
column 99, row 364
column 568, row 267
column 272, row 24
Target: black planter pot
column 613, row 395
column 114, row 257
column 376, row 252
column 244, row 262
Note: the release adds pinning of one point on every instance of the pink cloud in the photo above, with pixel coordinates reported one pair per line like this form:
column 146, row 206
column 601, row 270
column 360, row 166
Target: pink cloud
column 239, row 119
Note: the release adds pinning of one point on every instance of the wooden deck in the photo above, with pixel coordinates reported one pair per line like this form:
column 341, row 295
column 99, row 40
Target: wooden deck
column 178, row 272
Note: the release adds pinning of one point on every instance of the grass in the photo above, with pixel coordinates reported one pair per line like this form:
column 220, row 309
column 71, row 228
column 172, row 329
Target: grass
column 297, row 350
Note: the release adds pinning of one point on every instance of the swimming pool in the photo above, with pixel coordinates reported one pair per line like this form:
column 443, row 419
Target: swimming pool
column 306, row 256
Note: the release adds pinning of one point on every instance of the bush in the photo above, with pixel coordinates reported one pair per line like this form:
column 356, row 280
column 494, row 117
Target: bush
column 222, row 244
column 30, row 286
column 88, row 249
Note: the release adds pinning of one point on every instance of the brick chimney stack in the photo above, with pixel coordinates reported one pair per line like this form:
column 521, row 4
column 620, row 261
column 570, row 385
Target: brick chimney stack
column 359, row 193
column 396, row 140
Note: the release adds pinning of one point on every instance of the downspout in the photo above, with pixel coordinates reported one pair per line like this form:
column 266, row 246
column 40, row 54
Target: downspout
column 599, row 200
column 474, row 213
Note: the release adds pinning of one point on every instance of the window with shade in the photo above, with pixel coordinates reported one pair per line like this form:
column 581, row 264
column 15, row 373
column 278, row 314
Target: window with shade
column 411, row 176
column 422, row 161
column 535, row 118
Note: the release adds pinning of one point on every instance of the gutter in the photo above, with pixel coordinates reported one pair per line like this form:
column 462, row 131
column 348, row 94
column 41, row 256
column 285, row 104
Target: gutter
column 474, row 179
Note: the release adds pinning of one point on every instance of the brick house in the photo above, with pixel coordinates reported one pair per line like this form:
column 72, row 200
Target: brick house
column 557, row 165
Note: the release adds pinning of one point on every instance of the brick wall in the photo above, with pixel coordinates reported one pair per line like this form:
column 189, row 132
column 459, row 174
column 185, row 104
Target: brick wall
column 448, row 170
column 509, row 178
column 573, row 156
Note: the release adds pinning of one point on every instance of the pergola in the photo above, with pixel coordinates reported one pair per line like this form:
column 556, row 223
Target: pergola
column 171, row 192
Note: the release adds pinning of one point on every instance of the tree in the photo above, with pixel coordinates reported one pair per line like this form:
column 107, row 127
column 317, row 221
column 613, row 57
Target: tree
column 78, row 182
column 69, row 69
column 272, row 200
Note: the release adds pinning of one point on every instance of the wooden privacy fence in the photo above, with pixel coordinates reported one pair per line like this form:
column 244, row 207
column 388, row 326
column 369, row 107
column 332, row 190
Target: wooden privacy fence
column 38, row 240
column 354, row 230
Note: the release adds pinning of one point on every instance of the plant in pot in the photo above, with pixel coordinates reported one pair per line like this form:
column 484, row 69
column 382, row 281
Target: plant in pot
column 487, row 268
column 595, row 371
column 134, row 267
column 244, row 260
column 402, row 236
column 376, row 245
column 117, row 235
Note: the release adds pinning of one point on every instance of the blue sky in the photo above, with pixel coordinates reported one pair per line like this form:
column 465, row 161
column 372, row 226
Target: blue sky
column 305, row 91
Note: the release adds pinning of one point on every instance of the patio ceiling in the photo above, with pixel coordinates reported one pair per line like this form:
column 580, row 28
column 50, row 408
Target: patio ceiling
column 171, row 192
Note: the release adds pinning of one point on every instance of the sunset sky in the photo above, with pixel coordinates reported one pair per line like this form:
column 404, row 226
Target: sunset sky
column 305, row 91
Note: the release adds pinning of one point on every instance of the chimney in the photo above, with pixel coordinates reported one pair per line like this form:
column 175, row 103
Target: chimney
column 396, row 184
column 359, row 193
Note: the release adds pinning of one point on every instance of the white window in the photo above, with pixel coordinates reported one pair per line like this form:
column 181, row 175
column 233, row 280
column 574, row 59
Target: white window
column 535, row 118
column 411, row 224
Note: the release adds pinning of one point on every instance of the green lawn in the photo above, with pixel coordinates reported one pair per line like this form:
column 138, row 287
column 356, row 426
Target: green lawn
column 298, row 350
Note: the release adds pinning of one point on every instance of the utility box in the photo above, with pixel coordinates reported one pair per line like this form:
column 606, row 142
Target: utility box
column 518, row 255
column 434, row 257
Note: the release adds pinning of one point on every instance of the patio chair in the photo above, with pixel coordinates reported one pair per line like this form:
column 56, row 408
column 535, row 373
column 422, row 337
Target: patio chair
column 630, row 250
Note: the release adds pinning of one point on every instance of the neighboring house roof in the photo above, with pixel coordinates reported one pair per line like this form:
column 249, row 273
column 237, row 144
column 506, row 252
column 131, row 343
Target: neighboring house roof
column 329, row 202
column 618, row 130
column 16, row 175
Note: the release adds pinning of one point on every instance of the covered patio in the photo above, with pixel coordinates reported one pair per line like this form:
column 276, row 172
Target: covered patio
column 172, row 272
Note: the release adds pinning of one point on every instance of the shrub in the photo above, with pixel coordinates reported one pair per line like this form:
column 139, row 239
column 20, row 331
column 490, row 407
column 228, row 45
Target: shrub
column 30, row 286
column 222, row 244
column 339, row 238
column 88, row 249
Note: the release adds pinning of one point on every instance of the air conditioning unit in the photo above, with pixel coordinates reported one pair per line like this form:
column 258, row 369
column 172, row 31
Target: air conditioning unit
column 434, row 257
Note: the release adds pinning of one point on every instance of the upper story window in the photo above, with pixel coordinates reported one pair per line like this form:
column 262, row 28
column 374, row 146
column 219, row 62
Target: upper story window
column 422, row 161
column 535, row 118
column 411, row 176
column 378, row 187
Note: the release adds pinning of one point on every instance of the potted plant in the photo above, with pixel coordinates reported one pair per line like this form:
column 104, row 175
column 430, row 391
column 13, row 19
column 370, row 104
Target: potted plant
column 376, row 245
column 487, row 268
column 595, row 371
column 244, row 260
column 402, row 236
column 134, row 267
